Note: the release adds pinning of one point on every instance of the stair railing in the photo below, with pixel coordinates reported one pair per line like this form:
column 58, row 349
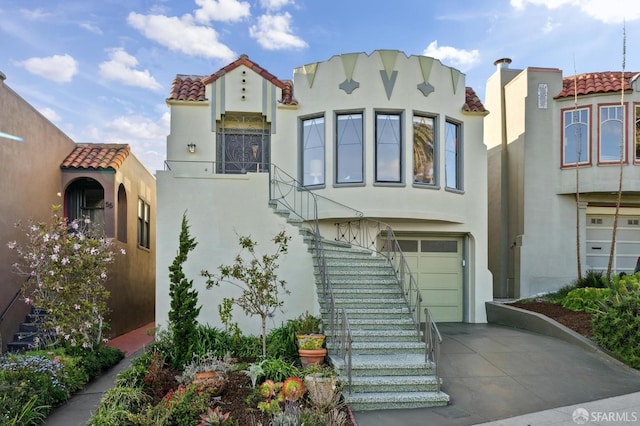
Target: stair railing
column 432, row 339
column 303, row 203
column 365, row 233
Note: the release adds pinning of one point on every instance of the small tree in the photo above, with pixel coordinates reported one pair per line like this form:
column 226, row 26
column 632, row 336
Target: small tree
column 184, row 300
column 67, row 261
column 257, row 279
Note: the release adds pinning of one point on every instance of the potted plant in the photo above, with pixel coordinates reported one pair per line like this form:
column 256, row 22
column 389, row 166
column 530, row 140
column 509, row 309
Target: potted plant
column 322, row 385
column 310, row 339
column 208, row 370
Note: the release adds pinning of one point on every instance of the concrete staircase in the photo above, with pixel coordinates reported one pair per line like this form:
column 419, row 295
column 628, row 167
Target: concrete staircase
column 388, row 363
column 30, row 329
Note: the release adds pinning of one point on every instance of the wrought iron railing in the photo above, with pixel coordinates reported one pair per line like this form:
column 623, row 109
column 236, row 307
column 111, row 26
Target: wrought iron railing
column 432, row 340
column 300, row 201
column 367, row 233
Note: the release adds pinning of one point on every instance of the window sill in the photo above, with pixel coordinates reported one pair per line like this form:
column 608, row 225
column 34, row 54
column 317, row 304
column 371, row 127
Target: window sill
column 454, row 190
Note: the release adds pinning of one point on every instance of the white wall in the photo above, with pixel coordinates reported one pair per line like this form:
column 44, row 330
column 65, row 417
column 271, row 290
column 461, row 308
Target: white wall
column 219, row 208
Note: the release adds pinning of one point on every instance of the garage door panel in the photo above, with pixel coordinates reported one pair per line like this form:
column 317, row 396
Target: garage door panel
column 599, row 233
column 442, row 280
column 446, row 313
column 436, row 263
column 441, row 297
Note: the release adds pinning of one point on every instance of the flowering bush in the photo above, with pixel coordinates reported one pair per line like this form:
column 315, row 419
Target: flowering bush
column 67, row 263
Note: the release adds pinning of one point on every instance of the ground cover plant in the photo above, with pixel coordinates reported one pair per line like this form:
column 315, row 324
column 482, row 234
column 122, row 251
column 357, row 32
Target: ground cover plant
column 608, row 312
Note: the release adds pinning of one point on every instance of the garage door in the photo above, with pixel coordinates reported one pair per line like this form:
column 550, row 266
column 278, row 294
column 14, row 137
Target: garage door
column 436, row 264
column 627, row 250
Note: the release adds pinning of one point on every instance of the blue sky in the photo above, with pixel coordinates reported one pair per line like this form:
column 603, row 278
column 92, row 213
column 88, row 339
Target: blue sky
column 101, row 70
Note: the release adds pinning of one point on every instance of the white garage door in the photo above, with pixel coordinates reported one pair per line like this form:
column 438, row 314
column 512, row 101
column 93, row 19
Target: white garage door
column 627, row 250
column 437, row 266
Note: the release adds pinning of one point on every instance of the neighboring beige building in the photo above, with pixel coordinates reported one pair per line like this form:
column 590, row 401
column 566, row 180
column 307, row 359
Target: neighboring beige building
column 42, row 167
column 389, row 137
column 537, row 130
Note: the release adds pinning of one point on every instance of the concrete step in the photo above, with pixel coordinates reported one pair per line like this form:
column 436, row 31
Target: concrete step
column 382, row 384
column 370, row 303
column 385, row 348
column 343, row 292
column 380, row 335
column 400, row 364
column 395, row 400
column 382, row 323
column 374, row 313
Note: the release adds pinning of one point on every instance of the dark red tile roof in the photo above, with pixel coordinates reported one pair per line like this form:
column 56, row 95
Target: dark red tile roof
column 472, row 102
column 187, row 88
column 597, row 82
column 96, row 156
column 192, row 87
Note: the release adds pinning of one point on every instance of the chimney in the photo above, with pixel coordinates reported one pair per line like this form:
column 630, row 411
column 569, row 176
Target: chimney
column 502, row 63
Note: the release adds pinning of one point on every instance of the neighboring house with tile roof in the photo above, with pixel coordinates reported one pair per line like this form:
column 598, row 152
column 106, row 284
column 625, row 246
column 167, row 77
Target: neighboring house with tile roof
column 103, row 181
column 385, row 136
column 542, row 124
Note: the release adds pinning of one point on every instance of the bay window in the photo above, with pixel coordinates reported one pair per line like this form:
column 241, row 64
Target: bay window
column 349, row 148
column 388, row 148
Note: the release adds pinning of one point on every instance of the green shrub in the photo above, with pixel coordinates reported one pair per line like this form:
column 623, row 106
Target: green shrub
column 616, row 327
column 118, row 405
column 219, row 342
column 96, row 361
column 624, row 285
column 281, row 342
column 586, row 299
column 278, row 369
column 181, row 407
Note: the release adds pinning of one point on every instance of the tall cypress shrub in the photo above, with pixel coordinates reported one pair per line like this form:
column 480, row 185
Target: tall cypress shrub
column 184, row 300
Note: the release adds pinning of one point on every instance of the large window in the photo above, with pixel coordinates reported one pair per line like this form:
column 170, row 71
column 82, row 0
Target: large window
column 313, row 151
column 452, row 156
column 611, row 147
column 575, row 137
column 349, row 148
column 424, row 150
column 637, row 139
column 144, row 224
column 388, row 148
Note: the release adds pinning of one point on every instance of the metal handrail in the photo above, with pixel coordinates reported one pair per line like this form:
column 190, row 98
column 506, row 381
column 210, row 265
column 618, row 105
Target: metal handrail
column 365, row 233
column 10, row 305
column 432, row 340
column 299, row 200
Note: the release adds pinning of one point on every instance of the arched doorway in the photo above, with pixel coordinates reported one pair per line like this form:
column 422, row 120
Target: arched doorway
column 84, row 198
column 122, row 214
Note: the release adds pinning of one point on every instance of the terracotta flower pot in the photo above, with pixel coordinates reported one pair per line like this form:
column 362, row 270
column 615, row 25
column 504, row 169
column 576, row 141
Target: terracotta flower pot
column 312, row 356
column 212, row 379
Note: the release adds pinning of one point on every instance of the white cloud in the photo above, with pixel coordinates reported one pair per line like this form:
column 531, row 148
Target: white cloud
column 121, row 68
column 90, row 27
column 273, row 32
column 181, row 35
column 221, row 10
column 50, row 114
column 35, row 14
column 459, row 58
column 146, row 136
column 602, row 10
column 275, row 4
column 58, row 68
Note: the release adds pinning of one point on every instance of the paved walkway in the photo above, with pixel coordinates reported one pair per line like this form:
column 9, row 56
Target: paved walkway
column 495, row 373
column 79, row 409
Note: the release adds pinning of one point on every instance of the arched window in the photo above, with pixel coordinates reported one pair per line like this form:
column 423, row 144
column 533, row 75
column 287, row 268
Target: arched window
column 84, row 199
column 122, row 214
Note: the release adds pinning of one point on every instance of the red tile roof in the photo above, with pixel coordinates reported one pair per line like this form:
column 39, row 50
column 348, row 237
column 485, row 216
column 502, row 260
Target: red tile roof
column 96, row 156
column 597, row 82
column 192, row 87
column 472, row 102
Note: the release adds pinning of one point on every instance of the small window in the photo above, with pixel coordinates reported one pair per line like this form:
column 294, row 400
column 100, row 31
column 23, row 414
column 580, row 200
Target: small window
column 543, row 91
column 611, row 147
column 388, row 148
column 453, row 156
column 349, row 148
column 424, row 150
column 313, row 146
column 144, row 224
column 435, row 246
column 408, row 246
column 575, row 136
column 637, row 138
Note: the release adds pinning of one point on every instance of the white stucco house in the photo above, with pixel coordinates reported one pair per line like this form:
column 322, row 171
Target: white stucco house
column 383, row 136
column 542, row 125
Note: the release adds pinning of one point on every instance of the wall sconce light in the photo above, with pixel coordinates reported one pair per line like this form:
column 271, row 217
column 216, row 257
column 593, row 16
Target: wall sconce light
column 191, row 147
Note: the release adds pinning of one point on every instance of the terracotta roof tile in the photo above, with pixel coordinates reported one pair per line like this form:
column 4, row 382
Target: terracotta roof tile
column 192, row 87
column 187, row 88
column 96, row 156
column 597, row 82
column 472, row 102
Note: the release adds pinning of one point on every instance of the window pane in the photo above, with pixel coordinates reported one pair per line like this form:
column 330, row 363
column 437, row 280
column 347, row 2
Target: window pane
column 349, row 150
column 452, row 156
column 313, row 151
column 576, row 136
column 637, row 133
column 423, row 150
column 388, row 148
column 610, row 133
